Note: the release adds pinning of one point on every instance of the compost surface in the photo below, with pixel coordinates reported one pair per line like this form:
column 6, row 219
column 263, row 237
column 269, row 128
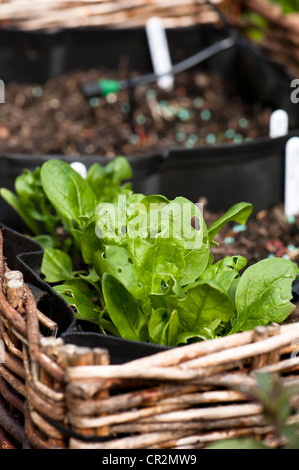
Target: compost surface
column 56, row 118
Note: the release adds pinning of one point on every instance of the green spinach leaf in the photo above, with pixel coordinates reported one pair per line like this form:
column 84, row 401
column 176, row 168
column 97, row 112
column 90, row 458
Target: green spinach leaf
column 124, row 310
column 238, row 213
column 56, row 266
column 163, row 328
column 205, row 302
column 84, row 307
column 69, row 193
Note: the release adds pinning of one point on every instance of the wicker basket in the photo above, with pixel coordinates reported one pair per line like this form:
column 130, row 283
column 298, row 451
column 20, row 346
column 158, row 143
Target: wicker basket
column 55, row 395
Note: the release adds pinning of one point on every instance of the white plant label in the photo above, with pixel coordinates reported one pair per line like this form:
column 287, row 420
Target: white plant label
column 79, row 168
column 291, row 199
column 279, row 123
column 159, row 50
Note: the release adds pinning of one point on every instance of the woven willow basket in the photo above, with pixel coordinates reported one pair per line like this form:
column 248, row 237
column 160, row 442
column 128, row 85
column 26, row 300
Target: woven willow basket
column 55, row 395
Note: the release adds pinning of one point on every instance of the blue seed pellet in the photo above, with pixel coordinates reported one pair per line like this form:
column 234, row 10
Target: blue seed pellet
column 94, row 102
column 37, row 91
column 180, row 136
column 190, row 144
column 191, row 141
column 238, row 138
column 291, row 248
column 134, row 138
column 239, row 228
column 141, row 119
column 291, row 219
column 183, row 114
column 126, row 107
column 229, row 240
column 230, row 133
column 193, row 138
column 198, row 102
column 151, row 94
column 163, row 103
column 211, row 139
column 243, row 122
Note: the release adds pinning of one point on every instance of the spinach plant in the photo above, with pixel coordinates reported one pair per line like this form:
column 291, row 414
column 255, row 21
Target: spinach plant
column 141, row 267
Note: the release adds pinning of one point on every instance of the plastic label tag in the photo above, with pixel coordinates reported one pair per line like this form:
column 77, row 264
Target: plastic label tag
column 159, row 50
column 279, row 123
column 291, row 199
column 79, row 168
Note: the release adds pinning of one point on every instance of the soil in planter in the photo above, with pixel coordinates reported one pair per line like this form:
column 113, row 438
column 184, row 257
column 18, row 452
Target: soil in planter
column 267, row 234
column 56, row 118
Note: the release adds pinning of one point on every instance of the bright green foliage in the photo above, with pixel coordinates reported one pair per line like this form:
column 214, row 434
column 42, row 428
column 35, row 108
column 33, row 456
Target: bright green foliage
column 141, row 266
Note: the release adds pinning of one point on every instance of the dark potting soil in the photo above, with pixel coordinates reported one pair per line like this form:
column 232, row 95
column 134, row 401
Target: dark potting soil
column 267, row 234
column 57, row 119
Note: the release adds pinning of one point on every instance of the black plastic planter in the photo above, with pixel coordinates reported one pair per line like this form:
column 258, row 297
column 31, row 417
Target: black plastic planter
column 224, row 174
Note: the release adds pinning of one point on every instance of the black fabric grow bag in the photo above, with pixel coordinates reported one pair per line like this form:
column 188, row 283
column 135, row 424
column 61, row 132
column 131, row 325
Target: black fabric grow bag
column 225, row 174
